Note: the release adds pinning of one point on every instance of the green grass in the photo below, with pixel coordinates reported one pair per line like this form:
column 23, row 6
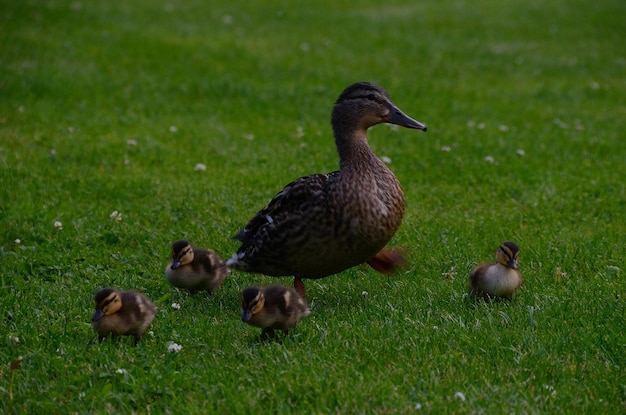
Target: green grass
column 231, row 86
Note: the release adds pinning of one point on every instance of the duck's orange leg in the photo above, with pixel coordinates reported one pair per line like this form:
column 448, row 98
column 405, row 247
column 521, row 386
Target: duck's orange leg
column 299, row 286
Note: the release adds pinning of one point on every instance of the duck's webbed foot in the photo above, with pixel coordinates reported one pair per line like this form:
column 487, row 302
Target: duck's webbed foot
column 387, row 261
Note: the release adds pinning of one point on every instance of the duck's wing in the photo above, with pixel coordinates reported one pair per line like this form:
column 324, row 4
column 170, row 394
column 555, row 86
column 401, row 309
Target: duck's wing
column 302, row 195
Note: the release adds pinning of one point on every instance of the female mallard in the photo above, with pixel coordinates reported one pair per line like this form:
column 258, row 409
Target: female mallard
column 322, row 224
column 500, row 279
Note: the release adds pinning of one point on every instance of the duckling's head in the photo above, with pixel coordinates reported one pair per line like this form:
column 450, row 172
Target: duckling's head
column 363, row 105
column 507, row 254
column 108, row 301
column 252, row 302
column 182, row 254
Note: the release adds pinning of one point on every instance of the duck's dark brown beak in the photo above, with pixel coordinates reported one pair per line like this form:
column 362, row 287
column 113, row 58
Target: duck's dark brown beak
column 246, row 315
column 99, row 314
column 396, row 116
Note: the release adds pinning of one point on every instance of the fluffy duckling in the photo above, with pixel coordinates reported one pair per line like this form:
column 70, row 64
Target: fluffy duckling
column 500, row 279
column 195, row 269
column 272, row 307
column 122, row 313
column 322, row 224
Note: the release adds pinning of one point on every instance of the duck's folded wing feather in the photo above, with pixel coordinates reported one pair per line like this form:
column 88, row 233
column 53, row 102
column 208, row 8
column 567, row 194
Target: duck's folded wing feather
column 304, row 192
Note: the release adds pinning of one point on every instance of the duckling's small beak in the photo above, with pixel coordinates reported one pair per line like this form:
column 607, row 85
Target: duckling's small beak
column 396, row 116
column 512, row 263
column 175, row 264
column 99, row 314
column 246, row 315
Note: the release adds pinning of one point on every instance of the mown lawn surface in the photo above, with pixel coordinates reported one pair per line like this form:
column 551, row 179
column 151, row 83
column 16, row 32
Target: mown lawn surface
column 108, row 106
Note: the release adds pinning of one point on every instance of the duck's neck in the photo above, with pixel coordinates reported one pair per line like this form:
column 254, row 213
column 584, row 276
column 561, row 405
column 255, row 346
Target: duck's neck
column 353, row 149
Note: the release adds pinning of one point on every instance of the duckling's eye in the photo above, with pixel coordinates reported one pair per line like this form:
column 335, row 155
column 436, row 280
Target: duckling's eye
column 106, row 303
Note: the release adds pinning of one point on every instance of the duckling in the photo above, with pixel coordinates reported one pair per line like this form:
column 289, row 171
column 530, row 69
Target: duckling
column 195, row 269
column 322, row 224
column 498, row 280
column 122, row 313
column 272, row 307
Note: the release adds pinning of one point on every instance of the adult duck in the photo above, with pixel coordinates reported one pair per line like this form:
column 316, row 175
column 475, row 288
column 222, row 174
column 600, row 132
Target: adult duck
column 322, row 224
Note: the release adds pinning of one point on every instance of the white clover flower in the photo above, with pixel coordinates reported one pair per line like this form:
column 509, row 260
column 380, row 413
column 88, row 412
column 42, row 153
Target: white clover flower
column 248, row 136
column 364, row 294
column 115, row 215
column 18, row 241
column 490, row 159
column 386, row 159
column 53, row 152
column 299, row 132
column 503, row 127
column 176, row 306
column 481, row 125
column 447, row 149
column 578, row 125
column 131, row 142
column 58, row 225
column 520, row 152
column 122, row 371
column 199, row 167
column 460, row 395
column 173, row 128
column 174, row 347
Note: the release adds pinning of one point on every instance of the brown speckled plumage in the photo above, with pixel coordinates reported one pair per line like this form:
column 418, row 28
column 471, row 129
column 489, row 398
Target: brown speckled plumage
column 322, row 224
column 122, row 313
column 272, row 308
column 195, row 269
column 500, row 279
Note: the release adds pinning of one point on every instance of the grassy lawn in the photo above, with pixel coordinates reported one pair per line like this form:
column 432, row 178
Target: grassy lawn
column 108, row 106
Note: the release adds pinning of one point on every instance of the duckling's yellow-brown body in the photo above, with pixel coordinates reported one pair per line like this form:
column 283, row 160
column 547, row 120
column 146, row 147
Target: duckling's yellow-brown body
column 272, row 308
column 122, row 313
column 322, row 224
column 500, row 279
column 195, row 269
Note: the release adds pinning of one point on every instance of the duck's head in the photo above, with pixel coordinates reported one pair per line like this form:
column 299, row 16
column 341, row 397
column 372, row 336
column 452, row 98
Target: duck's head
column 182, row 254
column 252, row 302
column 507, row 254
column 108, row 301
column 363, row 105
